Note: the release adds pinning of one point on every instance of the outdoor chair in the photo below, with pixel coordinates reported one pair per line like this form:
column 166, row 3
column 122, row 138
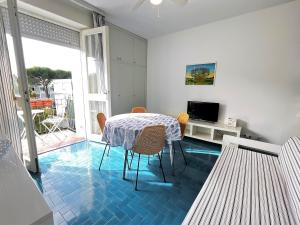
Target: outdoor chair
column 54, row 123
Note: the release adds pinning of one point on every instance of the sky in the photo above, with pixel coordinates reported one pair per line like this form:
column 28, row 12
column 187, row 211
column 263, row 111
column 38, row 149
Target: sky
column 42, row 54
column 210, row 66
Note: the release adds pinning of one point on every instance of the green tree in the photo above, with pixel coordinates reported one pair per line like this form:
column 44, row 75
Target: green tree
column 43, row 76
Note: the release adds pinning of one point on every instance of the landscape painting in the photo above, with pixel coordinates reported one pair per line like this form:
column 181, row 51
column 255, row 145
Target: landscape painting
column 200, row 74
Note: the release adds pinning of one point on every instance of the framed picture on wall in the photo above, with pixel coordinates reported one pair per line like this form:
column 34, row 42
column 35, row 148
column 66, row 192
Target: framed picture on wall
column 200, row 74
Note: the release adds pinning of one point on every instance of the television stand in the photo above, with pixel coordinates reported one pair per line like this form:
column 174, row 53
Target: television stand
column 209, row 131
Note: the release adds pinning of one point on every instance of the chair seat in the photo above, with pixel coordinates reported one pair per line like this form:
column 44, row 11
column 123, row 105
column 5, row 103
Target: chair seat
column 53, row 120
column 244, row 187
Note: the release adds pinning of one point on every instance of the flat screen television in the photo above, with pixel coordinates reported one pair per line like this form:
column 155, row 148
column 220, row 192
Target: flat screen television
column 208, row 111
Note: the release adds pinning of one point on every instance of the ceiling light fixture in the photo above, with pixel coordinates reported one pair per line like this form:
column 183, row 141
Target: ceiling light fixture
column 156, row 2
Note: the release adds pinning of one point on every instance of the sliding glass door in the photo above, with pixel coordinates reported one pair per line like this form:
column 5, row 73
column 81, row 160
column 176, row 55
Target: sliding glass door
column 18, row 76
column 96, row 82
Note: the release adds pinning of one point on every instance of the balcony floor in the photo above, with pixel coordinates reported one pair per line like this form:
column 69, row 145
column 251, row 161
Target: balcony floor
column 49, row 142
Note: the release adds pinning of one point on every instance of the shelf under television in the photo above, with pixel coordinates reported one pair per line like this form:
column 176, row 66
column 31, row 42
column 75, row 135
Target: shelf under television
column 211, row 132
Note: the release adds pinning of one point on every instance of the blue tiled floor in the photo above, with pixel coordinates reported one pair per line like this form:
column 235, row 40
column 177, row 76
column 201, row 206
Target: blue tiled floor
column 79, row 194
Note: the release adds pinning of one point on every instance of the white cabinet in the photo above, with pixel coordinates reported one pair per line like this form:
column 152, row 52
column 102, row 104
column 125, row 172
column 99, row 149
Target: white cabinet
column 128, row 71
column 139, row 49
column 121, row 45
column 113, row 44
column 125, row 47
column 121, row 80
column 139, row 85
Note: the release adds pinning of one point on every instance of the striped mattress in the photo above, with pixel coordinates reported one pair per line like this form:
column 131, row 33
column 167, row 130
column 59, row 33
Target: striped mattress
column 244, row 187
column 289, row 159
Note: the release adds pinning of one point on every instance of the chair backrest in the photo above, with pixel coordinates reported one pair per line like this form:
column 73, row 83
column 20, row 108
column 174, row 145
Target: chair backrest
column 183, row 119
column 139, row 109
column 60, row 111
column 150, row 140
column 101, row 121
column 289, row 159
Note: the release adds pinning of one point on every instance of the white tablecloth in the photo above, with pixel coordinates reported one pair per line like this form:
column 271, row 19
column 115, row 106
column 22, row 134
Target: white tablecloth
column 121, row 130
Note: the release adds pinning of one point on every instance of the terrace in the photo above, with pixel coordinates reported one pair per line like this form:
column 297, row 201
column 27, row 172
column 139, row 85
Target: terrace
column 54, row 118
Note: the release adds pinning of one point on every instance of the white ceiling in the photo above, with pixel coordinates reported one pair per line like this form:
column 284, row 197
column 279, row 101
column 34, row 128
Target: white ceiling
column 144, row 21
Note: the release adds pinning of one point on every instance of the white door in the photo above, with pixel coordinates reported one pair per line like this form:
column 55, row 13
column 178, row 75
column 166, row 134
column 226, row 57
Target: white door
column 96, row 78
column 21, row 93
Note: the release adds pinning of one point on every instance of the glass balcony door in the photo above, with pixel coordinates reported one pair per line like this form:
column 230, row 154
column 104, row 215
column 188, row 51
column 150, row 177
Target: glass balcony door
column 24, row 115
column 96, row 82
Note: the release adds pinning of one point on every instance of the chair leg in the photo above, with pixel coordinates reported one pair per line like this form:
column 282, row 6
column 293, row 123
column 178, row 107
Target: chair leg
column 182, row 153
column 137, row 172
column 108, row 150
column 162, row 170
column 102, row 157
column 132, row 155
column 125, row 161
column 161, row 156
column 129, row 164
column 173, row 166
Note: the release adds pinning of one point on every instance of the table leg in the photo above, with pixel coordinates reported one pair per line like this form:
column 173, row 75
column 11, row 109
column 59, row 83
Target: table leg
column 172, row 157
column 125, row 161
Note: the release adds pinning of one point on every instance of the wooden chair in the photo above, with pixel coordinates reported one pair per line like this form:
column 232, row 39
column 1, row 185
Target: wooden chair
column 101, row 121
column 139, row 109
column 150, row 141
column 183, row 119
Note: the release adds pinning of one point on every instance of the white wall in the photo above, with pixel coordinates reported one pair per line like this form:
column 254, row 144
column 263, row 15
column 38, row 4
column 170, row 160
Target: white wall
column 258, row 74
column 62, row 12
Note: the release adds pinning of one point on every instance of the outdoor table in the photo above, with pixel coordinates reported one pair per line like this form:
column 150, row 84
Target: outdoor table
column 34, row 112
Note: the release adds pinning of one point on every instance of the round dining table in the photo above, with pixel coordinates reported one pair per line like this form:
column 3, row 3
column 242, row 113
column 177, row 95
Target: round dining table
column 122, row 130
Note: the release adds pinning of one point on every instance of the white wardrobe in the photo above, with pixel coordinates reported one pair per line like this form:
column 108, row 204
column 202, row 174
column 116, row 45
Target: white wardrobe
column 128, row 70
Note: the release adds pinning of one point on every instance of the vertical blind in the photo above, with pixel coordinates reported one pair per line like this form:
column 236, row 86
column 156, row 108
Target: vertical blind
column 38, row 29
column 8, row 117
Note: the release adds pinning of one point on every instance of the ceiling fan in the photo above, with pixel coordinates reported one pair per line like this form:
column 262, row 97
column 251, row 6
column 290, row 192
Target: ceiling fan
column 158, row 2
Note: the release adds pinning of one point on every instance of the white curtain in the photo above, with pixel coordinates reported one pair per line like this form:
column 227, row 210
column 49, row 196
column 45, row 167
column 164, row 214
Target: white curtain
column 8, row 115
